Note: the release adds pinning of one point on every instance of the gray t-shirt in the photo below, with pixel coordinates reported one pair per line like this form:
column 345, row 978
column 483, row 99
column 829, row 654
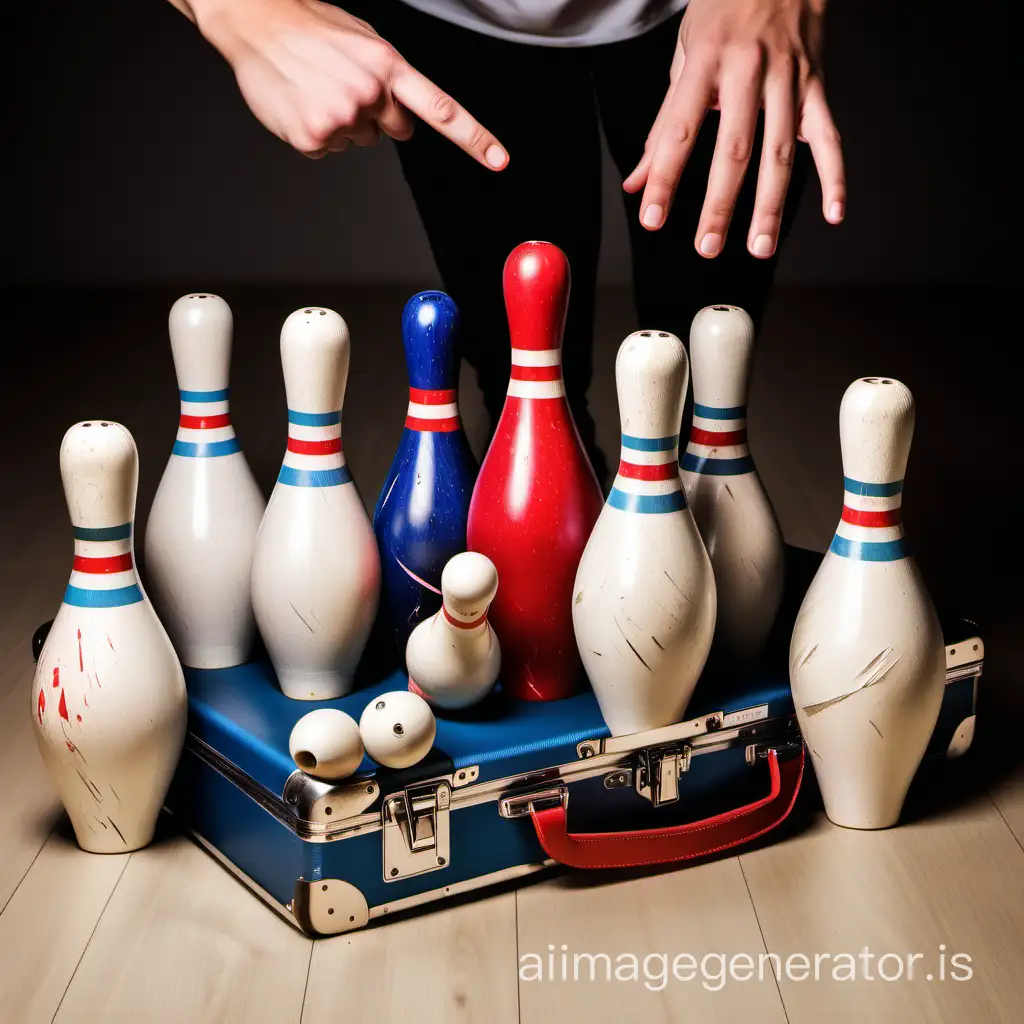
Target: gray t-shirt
column 554, row 22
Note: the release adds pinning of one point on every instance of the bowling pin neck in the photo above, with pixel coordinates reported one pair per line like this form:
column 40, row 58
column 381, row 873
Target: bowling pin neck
column 648, row 477
column 200, row 327
column 536, row 285
column 204, row 425
column 103, row 574
column 871, row 527
column 461, row 623
column 429, row 333
column 433, row 410
column 536, row 373
column 314, row 456
column 718, row 441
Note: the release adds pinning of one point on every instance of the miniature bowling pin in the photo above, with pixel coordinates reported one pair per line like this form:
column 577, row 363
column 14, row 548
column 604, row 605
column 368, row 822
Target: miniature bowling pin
column 729, row 503
column 536, row 499
column 315, row 567
column 420, row 520
column 644, row 600
column 398, row 729
column 867, row 661
column 326, row 744
column 207, row 509
column 108, row 697
column 454, row 657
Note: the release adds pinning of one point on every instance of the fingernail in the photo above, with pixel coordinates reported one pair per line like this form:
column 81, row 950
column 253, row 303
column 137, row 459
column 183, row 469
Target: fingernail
column 711, row 244
column 762, row 245
column 835, row 212
column 495, row 156
column 653, row 216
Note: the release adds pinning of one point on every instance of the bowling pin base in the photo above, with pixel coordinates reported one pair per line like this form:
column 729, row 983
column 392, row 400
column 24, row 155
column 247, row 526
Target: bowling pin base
column 111, row 843
column 213, row 657
column 300, row 685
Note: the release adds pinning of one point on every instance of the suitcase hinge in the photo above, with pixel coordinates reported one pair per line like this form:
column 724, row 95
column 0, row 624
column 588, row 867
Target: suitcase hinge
column 415, row 829
column 658, row 771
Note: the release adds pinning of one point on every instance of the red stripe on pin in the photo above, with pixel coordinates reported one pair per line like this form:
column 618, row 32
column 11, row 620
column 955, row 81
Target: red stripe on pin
column 205, row 422
column 660, row 471
column 303, row 447
column 115, row 563
column 421, row 396
column 536, row 372
column 871, row 517
column 444, row 426
column 459, row 624
column 718, row 438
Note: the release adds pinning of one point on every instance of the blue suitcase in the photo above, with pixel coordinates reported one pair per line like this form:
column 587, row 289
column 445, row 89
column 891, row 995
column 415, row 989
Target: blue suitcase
column 508, row 789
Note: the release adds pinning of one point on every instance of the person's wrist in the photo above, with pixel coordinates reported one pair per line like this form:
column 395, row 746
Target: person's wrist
column 222, row 22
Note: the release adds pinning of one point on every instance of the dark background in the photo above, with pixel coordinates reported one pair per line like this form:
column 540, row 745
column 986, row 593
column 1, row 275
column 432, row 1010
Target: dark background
column 136, row 161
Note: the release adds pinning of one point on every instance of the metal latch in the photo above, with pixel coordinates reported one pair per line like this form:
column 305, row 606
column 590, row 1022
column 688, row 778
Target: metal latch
column 658, row 771
column 784, row 748
column 518, row 805
column 414, row 824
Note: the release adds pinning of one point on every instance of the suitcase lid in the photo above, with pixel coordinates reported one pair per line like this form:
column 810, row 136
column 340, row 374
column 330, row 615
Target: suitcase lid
column 243, row 715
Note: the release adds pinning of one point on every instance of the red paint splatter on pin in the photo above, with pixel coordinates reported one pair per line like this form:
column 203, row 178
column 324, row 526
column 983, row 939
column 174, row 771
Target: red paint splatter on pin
column 71, row 746
column 63, row 707
column 41, row 705
column 56, row 676
column 81, row 663
column 86, row 699
column 109, row 641
column 79, row 717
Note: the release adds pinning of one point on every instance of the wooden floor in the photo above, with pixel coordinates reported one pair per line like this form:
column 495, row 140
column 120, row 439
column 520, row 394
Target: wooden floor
column 166, row 934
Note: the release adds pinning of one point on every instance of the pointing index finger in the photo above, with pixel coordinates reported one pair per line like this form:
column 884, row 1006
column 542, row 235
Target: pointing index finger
column 434, row 106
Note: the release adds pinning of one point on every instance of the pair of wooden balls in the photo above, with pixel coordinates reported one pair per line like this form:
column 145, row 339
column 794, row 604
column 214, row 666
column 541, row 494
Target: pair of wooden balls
column 396, row 729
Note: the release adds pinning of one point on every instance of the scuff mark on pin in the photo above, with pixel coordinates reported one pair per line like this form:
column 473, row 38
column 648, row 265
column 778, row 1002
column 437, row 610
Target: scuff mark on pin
column 807, row 657
column 875, row 727
column 658, row 645
column 118, row 831
column 873, row 672
column 301, row 619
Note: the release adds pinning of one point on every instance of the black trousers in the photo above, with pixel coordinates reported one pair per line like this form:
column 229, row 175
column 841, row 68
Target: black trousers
column 547, row 106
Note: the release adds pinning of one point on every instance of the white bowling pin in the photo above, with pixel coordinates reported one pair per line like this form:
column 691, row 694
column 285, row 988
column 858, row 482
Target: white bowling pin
column 326, row 743
column 644, row 604
column 729, row 503
column 454, row 656
column 867, row 661
column 315, row 567
column 398, row 729
column 207, row 509
column 108, row 697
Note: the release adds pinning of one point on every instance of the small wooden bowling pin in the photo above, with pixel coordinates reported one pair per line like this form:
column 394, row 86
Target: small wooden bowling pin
column 454, row 657
column 729, row 503
column 644, row 601
column 315, row 567
column 420, row 520
column 867, row 661
column 108, row 697
column 207, row 509
column 536, row 499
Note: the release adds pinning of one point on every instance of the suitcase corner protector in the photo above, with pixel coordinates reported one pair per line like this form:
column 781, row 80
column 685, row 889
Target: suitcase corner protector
column 328, row 906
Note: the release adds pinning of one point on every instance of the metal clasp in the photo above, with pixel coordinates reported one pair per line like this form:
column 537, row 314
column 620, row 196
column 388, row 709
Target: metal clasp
column 658, row 771
column 520, row 804
column 415, row 827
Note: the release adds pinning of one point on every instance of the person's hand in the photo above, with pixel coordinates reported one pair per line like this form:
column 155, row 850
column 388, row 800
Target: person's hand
column 319, row 78
column 737, row 55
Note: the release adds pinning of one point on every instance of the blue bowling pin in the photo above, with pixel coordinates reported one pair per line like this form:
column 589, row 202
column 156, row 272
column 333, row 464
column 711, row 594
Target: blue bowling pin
column 420, row 519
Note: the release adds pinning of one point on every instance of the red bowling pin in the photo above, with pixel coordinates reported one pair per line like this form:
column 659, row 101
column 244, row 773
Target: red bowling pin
column 536, row 499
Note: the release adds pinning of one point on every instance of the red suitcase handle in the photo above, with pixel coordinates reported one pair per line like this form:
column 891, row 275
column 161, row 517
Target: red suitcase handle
column 680, row 842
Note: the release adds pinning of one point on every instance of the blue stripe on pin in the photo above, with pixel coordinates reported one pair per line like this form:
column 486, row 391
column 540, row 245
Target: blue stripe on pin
column 867, row 490
column 647, row 504
column 711, row 412
column 205, row 396
column 206, row 449
column 122, row 532
column 868, row 551
column 716, row 467
column 293, row 477
column 313, row 419
column 82, row 598
column 650, row 444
